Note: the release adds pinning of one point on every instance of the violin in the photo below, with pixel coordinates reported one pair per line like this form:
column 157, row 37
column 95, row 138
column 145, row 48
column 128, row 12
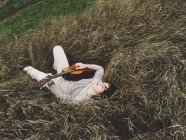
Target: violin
column 78, row 74
column 70, row 73
column 76, row 71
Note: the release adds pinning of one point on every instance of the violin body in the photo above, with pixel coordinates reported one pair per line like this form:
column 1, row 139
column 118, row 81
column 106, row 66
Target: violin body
column 79, row 74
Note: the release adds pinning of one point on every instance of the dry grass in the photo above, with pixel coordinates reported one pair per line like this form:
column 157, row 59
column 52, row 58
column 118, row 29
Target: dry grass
column 141, row 44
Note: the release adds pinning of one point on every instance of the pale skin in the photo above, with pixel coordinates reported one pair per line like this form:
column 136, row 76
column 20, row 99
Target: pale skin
column 97, row 87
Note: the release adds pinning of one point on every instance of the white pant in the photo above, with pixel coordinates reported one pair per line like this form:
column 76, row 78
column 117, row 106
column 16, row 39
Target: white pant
column 60, row 59
column 60, row 62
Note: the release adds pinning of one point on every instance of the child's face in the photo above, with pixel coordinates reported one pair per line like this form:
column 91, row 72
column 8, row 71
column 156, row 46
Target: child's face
column 99, row 87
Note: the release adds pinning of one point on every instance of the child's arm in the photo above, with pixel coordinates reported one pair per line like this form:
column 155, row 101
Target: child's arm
column 99, row 69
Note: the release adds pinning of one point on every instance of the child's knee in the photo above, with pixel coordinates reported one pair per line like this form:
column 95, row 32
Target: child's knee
column 28, row 68
column 57, row 48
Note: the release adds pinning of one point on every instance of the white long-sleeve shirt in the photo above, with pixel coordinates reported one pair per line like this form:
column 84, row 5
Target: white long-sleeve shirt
column 76, row 91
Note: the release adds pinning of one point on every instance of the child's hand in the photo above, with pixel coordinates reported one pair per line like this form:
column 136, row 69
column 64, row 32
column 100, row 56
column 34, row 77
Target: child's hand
column 49, row 75
column 80, row 66
column 50, row 82
column 106, row 86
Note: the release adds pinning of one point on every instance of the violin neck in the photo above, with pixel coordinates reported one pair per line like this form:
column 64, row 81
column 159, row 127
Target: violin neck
column 68, row 71
column 62, row 73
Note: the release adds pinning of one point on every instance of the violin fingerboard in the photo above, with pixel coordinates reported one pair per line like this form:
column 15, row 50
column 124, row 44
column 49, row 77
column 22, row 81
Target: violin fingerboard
column 40, row 83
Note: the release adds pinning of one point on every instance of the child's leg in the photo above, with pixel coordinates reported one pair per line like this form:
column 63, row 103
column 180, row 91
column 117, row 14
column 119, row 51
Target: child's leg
column 34, row 73
column 60, row 59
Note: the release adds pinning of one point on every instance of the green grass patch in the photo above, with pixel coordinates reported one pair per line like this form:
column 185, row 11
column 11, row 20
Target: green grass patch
column 12, row 5
column 26, row 19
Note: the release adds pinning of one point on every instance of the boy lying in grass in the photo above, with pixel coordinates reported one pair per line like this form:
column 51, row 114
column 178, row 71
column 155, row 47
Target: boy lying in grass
column 71, row 91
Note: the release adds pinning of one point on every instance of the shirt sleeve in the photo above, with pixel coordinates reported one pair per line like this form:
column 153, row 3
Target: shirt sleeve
column 99, row 71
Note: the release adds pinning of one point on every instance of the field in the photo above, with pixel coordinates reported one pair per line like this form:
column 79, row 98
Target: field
column 142, row 46
column 32, row 12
